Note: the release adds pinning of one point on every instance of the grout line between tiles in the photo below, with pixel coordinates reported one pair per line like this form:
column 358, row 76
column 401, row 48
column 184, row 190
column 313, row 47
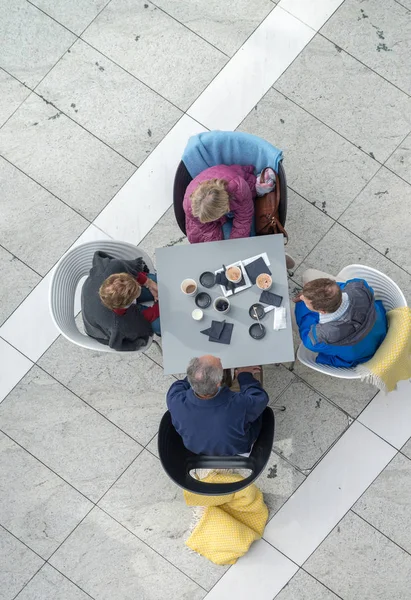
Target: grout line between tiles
column 403, row 5
column 365, row 65
column 27, row 582
column 379, row 530
column 323, row 584
column 148, row 546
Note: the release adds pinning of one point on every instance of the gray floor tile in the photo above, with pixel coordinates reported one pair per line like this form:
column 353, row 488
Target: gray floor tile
column 150, row 505
column 42, row 41
column 313, row 153
column 407, row 449
column 224, row 24
column 107, row 561
column 31, row 215
column 406, row 3
column 304, row 587
column 340, row 248
column 165, row 232
column 66, row 159
column 66, row 434
column 385, row 504
column 35, row 505
column 127, row 388
column 335, row 87
column 155, row 48
column 356, row 561
column 49, row 584
column 276, row 379
column 17, row 281
column 12, row 94
column 306, row 225
column 18, row 565
column 376, row 33
column 349, row 394
column 278, row 482
column 75, row 15
column 400, row 160
column 308, row 426
column 109, row 102
column 388, row 199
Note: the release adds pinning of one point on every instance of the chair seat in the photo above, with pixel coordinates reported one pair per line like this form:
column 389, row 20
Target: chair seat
column 65, row 291
column 178, row 462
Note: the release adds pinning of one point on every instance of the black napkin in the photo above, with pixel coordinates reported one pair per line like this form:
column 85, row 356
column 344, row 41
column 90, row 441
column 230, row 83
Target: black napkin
column 255, row 269
column 271, row 299
column 220, row 332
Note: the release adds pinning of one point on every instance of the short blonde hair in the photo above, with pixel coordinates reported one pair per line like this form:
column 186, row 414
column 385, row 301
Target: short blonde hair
column 119, row 290
column 210, row 200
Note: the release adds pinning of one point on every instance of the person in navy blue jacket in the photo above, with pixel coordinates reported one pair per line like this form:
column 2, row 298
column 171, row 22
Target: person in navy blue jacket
column 211, row 418
column 341, row 321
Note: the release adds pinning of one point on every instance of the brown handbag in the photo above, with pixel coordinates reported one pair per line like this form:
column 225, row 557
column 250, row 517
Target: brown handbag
column 266, row 209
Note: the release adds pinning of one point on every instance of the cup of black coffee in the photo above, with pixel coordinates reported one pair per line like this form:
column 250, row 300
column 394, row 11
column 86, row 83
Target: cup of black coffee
column 221, row 305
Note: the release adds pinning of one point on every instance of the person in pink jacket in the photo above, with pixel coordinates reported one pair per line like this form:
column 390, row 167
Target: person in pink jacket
column 219, row 204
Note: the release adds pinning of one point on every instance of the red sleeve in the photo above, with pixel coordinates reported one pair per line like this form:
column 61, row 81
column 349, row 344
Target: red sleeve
column 141, row 278
column 151, row 313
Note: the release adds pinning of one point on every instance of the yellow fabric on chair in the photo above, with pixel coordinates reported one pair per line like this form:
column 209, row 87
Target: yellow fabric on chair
column 230, row 523
column 392, row 361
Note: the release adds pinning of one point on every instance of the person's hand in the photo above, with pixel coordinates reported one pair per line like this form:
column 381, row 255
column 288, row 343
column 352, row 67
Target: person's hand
column 298, row 298
column 252, row 370
column 152, row 287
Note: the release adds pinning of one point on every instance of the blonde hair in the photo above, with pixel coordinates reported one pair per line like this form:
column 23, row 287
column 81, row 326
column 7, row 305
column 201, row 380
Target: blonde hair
column 119, row 290
column 210, row 200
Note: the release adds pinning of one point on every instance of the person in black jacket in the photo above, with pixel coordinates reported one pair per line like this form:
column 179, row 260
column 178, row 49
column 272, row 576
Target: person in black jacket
column 111, row 303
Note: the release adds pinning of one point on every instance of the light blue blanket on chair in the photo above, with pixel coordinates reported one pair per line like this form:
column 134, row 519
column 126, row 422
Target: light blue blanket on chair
column 229, row 148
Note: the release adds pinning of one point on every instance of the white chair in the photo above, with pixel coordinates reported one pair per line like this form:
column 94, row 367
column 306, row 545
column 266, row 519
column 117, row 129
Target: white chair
column 72, row 267
column 385, row 289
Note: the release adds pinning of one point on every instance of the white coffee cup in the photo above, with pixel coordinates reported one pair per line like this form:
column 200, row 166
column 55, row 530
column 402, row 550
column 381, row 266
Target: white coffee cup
column 234, row 274
column 197, row 314
column 189, row 287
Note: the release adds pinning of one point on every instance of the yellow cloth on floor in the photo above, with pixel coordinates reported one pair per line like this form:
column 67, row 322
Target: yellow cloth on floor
column 392, row 361
column 230, row 524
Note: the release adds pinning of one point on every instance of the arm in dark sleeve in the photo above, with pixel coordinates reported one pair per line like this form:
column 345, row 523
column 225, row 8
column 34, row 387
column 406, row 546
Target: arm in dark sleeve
column 256, row 398
column 176, row 391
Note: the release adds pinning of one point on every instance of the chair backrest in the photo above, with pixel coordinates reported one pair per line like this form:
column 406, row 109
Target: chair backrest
column 64, row 293
column 177, row 461
column 385, row 289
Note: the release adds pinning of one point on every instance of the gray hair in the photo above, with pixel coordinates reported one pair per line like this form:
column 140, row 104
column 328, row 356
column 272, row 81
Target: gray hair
column 203, row 377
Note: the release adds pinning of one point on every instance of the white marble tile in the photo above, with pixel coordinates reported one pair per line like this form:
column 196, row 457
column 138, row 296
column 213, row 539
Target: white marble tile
column 109, row 562
column 264, row 57
column 400, row 160
column 31, row 42
column 66, row 159
column 76, row 15
column 150, row 188
column 49, row 584
column 32, row 336
column 328, row 493
column 304, row 587
column 260, row 574
column 389, row 415
column 13, row 367
column 18, row 565
column 109, row 102
column 155, row 48
column 12, row 94
column 312, row 12
column 36, row 506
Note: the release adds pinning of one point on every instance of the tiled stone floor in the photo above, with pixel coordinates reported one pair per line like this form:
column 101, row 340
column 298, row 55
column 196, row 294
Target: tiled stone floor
column 89, row 94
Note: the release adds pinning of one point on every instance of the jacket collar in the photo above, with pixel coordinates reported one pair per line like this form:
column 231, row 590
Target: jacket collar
column 217, row 400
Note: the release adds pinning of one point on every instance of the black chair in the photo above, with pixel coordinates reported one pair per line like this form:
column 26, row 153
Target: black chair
column 183, row 178
column 177, row 461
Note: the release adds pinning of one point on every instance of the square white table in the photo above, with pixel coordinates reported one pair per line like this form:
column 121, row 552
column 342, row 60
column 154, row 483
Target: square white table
column 181, row 337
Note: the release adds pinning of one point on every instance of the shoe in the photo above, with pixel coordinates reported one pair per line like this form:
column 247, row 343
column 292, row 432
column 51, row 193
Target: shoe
column 289, row 262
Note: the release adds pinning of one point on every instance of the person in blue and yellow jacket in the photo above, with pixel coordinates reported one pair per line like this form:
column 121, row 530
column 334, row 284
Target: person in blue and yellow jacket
column 341, row 321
